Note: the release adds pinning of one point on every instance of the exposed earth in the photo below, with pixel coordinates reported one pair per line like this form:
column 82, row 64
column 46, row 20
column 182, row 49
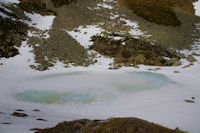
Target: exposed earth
column 175, row 25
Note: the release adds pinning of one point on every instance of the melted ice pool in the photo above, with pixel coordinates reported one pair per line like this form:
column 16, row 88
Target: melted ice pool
column 87, row 87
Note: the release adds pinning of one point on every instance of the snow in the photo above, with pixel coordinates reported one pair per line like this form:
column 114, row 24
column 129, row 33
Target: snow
column 135, row 31
column 3, row 15
column 40, row 22
column 83, row 34
column 104, row 5
column 10, row 1
column 6, row 9
column 197, row 7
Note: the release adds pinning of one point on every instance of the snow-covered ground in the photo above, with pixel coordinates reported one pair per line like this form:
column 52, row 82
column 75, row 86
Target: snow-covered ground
column 40, row 22
column 197, row 7
column 95, row 92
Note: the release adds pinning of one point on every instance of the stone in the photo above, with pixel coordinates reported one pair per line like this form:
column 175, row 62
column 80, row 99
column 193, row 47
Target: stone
column 140, row 58
column 190, row 58
column 36, row 110
column 1, row 33
column 177, row 63
column 33, row 66
column 16, row 114
column 176, row 72
column 41, row 119
column 186, row 66
column 41, row 68
column 189, row 101
column 19, row 110
column 114, row 125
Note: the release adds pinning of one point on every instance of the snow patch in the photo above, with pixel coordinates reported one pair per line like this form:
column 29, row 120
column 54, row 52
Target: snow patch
column 40, row 22
column 83, row 34
column 10, row 1
column 197, row 7
column 105, row 6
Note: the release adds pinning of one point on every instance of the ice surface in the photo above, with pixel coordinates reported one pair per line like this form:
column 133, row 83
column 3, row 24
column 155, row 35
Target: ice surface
column 62, row 89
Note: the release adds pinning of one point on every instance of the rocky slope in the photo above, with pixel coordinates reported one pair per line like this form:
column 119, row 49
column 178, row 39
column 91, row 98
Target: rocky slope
column 114, row 125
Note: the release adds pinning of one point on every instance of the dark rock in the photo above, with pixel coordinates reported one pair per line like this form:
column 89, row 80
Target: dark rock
column 19, row 110
column 41, row 68
column 36, row 110
column 6, row 123
column 59, row 3
column 186, row 66
column 190, row 58
column 176, row 72
column 16, row 114
column 189, row 101
column 135, row 52
column 193, row 98
column 41, row 119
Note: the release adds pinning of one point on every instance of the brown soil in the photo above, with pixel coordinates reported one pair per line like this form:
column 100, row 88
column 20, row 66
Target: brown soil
column 36, row 6
column 115, row 125
column 60, row 46
column 68, row 16
column 135, row 51
column 159, row 11
column 59, row 3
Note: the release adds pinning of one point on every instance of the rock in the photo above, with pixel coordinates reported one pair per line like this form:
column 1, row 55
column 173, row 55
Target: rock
column 114, row 125
column 66, row 61
column 126, row 53
column 16, row 114
column 186, row 66
column 19, row 110
column 6, row 123
column 189, row 101
column 35, row 129
column 193, row 98
column 140, row 58
column 177, row 63
column 156, row 69
column 3, row 113
column 190, row 58
column 1, row 33
column 41, row 119
column 195, row 54
column 41, row 68
column 176, row 72
column 36, row 110
column 33, row 66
